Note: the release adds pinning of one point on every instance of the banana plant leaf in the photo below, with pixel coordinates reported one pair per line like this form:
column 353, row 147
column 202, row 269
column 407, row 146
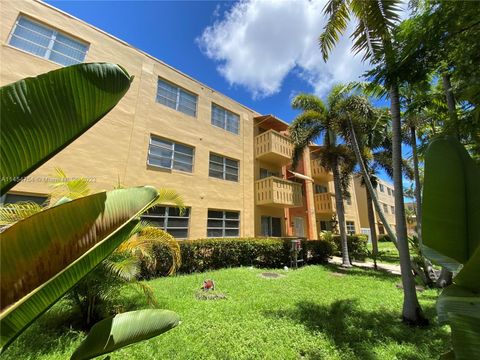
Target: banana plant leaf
column 43, row 256
column 451, row 210
column 42, row 115
column 465, row 339
column 457, row 300
column 125, row 329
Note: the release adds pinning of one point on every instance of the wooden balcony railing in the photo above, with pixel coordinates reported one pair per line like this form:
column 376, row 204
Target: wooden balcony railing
column 319, row 172
column 273, row 191
column 324, row 203
column 273, row 147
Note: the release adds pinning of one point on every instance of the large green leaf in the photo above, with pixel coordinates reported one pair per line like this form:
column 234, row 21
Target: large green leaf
column 44, row 255
column 451, row 211
column 125, row 329
column 457, row 300
column 42, row 115
column 465, row 336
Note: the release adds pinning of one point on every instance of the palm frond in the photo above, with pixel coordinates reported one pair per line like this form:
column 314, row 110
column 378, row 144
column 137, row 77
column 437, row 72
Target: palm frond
column 169, row 197
column 64, row 186
column 126, row 269
column 338, row 15
column 11, row 213
column 308, row 102
column 146, row 239
column 306, row 127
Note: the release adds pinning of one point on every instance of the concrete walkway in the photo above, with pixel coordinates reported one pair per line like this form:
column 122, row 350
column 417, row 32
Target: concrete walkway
column 390, row 268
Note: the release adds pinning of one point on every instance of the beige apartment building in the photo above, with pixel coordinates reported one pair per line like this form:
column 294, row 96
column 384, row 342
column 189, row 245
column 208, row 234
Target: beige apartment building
column 385, row 195
column 230, row 164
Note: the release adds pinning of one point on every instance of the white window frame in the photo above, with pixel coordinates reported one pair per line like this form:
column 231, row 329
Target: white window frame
column 172, row 157
column 179, row 91
column 382, row 188
column 224, row 165
column 385, row 208
column 165, row 221
column 349, row 225
column 392, row 209
column 226, row 112
column 223, row 219
column 53, row 39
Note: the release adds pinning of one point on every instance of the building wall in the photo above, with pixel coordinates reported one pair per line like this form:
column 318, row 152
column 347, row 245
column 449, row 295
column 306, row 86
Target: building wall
column 116, row 147
column 384, row 197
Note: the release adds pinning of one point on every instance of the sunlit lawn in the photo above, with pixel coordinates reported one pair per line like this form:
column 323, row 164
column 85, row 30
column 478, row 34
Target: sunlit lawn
column 315, row 312
column 387, row 253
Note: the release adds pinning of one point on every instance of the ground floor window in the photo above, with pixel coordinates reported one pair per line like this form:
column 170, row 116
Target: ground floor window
column 350, row 227
column 271, row 226
column 223, row 223
column 381, row 230
column 325, row 225
column 169, row 219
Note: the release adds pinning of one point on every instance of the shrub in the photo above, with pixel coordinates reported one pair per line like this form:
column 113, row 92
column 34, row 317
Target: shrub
column 211, row 254
column 357, row 246
column 384, row 238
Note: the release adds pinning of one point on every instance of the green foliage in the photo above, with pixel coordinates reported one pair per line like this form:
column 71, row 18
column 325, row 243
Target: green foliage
column 384, row 238
column 451, row 237
column 357, row 246
column 41, row 115
column 316, row 312
column 124, row 329
column 210, row 254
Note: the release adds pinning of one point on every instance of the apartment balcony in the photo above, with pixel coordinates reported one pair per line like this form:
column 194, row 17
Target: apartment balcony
column 272, row 147
column 319, row 172
column 324, row 203
column 276, row 192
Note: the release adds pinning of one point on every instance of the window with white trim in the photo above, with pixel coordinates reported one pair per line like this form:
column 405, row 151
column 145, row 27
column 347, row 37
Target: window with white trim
column 385, row 208
column 170, row 219
column 22, row 198
column 223, row 168
column 350, row 227
column 225, row 119
column 45, row 42
column 382, row 188
column 389, row 191
column 223, row 223
column 170, row 155
column 392, row 208
column 176, row 98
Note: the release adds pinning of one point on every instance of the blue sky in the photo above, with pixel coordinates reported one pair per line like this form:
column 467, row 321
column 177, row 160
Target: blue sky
column 258, row 52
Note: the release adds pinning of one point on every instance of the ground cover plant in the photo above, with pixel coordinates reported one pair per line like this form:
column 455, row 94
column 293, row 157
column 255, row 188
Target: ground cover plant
column 316, row 312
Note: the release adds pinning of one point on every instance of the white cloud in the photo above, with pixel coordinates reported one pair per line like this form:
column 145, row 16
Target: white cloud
column 258, row 42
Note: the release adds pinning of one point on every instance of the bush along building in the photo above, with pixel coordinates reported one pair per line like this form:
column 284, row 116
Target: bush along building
column 231, row 165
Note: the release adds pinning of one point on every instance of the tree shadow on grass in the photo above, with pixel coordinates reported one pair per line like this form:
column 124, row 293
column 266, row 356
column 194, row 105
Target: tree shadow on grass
column 358, row 271
column 356, row 332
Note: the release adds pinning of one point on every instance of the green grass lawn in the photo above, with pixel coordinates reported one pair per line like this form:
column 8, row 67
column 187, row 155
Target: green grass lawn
column 387, row 253
column 316, row 312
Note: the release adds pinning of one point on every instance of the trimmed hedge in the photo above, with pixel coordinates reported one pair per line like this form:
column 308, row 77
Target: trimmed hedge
column 210, row 254
column 357, row 246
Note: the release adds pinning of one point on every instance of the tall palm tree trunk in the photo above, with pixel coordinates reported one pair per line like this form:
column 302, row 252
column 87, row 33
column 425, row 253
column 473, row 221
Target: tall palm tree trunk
column 452, row 111
column 340, row 214
column 412, row 312
column 369, row 185
column 418, row 185
column 373, row 230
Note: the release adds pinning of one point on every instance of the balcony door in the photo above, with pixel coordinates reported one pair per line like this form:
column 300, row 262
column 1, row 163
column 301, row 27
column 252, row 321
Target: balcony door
column 299, row 226
column 271, row 226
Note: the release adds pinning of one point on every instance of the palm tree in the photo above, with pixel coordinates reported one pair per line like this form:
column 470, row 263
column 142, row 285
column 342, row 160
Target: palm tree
column 314, row 121
column 376, row 20
column 123, row 266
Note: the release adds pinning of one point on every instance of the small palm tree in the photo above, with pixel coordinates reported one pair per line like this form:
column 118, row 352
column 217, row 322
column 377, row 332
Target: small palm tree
column 123, row 266
column 316, row 121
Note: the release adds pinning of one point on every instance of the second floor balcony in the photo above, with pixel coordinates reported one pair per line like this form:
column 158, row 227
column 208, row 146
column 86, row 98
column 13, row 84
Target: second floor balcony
column 277, row 192
column 273, row 147
column 325, row 203
column 319, row 172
